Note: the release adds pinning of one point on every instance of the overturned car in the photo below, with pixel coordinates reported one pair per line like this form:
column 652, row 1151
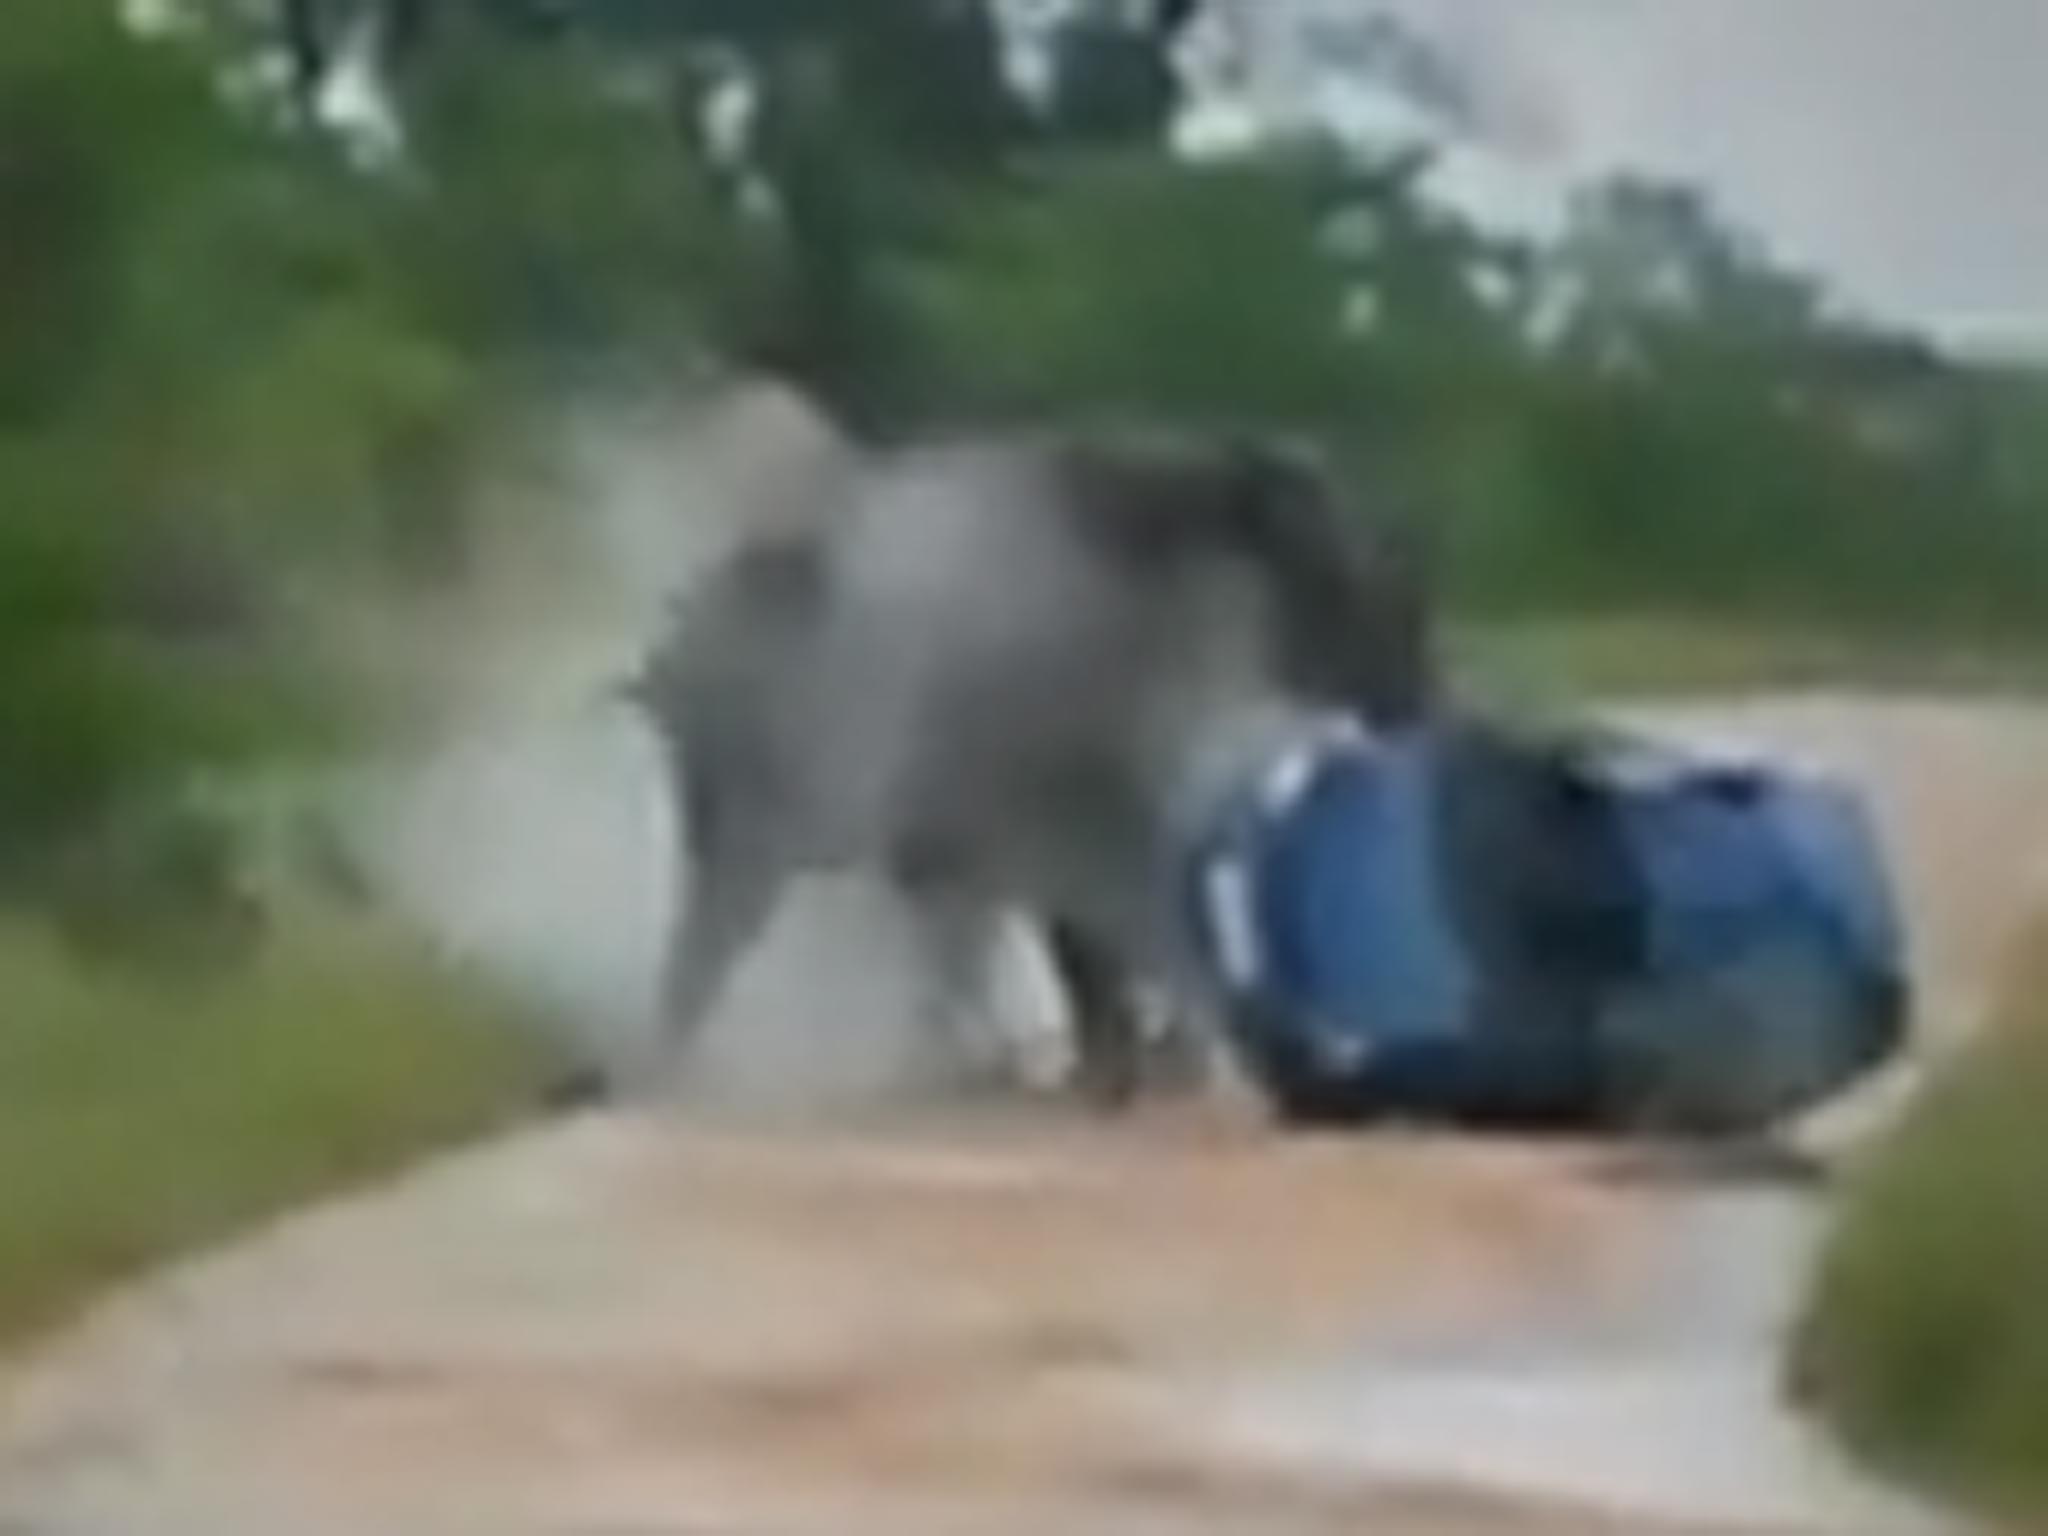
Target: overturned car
column 1571, row 929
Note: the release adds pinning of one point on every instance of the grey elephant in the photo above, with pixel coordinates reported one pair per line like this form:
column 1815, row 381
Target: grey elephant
column 1014, row 670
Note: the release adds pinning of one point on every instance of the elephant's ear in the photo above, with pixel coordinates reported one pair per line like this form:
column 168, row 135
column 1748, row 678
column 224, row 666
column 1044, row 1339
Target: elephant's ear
column 1259, row 467
column 1351, row 596
column 1348, row 597
column 1157, row 499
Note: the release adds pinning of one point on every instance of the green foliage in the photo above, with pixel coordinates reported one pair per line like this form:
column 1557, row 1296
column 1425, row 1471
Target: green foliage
column 920, row 80
column 1134, row 285
column 1562, row 662
column 1111, row 81
column 866, row 121
column 1648, row 414
column 243, row 378
column 560, row 208
column 138, row 1121
column 108, row 145
column 1926, row 1341
column 1691, row 428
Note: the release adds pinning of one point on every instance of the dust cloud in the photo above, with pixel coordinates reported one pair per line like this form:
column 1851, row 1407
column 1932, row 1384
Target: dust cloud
column 532, row 836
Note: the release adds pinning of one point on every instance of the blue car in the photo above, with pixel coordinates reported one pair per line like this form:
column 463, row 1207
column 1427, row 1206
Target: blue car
column 1481, row 925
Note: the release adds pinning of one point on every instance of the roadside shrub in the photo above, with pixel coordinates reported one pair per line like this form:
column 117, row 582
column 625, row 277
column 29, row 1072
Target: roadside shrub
column 144, row 1112
column 1926, row 1338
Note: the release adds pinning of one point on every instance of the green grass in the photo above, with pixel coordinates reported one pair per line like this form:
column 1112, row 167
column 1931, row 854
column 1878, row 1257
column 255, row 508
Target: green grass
column 1926, row 1337
column 1547, row 661
column 141, row 1116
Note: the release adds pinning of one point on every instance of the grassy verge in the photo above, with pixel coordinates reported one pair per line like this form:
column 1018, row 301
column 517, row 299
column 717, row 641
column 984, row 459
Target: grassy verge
column 141, row 1116
column 1545, row 661
column 1926, row 1338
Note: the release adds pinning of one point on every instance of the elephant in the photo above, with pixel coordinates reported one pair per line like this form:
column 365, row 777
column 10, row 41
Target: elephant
column 1014, row 669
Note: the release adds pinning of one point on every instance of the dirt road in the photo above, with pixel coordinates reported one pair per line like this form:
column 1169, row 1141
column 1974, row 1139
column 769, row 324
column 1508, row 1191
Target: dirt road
column 1008, row 1322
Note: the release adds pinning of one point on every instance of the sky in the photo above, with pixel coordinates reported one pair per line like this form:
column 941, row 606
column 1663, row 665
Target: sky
column 1896, row 146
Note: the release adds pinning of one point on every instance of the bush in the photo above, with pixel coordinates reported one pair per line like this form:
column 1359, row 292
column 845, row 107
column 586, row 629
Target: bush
column 145, row 1111
column 1575, row 659
column 1131, row 286
column 243, row 386
column 1926, row 1340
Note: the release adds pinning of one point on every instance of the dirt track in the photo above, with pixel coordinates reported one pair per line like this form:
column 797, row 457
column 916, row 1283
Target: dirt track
column 991, row 1323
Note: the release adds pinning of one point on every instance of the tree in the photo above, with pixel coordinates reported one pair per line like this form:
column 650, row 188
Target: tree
column 870, row 125
column 1136, row 285
column 557, row 212
column 1112, row 80
column 104, row 142
column 1645, row 263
